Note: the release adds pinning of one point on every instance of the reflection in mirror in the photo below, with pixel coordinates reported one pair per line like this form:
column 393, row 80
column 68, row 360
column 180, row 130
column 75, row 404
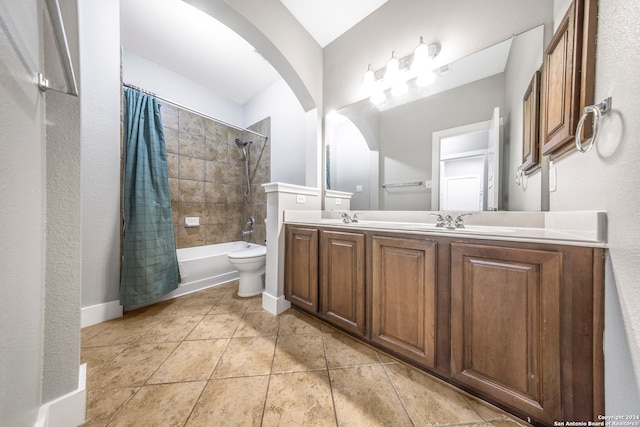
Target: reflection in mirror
column 380, row 153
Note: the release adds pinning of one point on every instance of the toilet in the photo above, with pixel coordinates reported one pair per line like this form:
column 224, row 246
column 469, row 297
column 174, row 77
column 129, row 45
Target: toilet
column 250, row 263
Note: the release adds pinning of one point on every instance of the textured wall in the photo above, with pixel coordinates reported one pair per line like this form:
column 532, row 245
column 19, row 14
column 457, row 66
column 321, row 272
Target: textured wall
column 608, row 178
column 207, row 178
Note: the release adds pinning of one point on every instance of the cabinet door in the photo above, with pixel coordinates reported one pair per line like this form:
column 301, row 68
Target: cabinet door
column 505, row 317
column 301, row 269
column 561, row 88
column 342, row 283
column 404, row 297
column 531, row 124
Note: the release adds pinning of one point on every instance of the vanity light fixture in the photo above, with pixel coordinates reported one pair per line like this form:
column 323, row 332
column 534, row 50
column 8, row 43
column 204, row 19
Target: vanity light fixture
column 397, row 73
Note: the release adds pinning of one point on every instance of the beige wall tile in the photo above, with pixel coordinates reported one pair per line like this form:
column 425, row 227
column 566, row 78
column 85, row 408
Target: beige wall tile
column 191, row 168
column 192, row 145
column 191, row 191
column 191, row 123
column 171, row 141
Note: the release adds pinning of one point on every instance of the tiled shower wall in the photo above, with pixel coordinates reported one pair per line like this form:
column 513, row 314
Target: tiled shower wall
column 207, row 177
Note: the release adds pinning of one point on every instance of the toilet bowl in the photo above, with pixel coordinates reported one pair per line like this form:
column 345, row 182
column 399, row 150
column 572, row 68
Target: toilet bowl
column 250, row 263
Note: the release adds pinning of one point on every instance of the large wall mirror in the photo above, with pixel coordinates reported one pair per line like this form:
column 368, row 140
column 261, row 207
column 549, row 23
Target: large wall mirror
column 454, row 145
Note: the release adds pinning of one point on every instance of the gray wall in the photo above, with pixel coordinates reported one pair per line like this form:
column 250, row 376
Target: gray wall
column 41, row 253
column 406, row 133
column 22, row 160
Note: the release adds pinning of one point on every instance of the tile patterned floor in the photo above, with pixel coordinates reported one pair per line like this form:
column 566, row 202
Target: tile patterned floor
column 213, row 359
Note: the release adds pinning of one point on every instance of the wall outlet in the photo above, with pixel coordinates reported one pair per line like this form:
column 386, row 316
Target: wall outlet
column 553, row 177
column 358, row 188
column 338, row 201
column 301, row 199
column 427, row 184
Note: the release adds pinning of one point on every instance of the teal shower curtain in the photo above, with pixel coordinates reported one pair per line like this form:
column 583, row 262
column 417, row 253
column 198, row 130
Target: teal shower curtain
column 150, row 264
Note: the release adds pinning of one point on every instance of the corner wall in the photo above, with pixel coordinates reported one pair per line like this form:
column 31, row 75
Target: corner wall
column 608, row 178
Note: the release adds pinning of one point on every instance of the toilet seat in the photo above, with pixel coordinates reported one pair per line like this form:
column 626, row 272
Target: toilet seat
column 251, row 252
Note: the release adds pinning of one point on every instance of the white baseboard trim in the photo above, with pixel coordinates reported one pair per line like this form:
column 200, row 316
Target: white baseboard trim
column 67, row 410
column 100, row 313
column 275, row 305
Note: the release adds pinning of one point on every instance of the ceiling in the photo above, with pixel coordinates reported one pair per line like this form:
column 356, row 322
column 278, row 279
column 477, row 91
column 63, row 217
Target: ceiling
column 182, row 39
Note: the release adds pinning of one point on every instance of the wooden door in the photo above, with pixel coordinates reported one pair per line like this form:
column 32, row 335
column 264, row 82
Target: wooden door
column 301, row 267
column 531, row 125
column 404, row 297
column 505, row 326
column 342, row 279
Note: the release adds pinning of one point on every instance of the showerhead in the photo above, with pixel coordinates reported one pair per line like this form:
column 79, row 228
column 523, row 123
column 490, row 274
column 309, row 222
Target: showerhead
column 241, row 144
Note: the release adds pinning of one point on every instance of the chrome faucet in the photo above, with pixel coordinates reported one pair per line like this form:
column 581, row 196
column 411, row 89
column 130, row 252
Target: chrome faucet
column 346, row 218
column 448, row 222
column 459, row 223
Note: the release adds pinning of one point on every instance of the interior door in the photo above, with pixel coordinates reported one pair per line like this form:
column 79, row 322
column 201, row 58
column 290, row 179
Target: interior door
column 493, row 162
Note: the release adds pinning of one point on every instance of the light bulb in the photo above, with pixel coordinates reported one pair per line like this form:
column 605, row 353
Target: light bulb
column 368, row 80
column 425, row 78
column 421, row 58
column 378, row 96
column 393, row 69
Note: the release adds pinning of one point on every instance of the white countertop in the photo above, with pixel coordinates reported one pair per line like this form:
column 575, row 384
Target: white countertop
column 581, row 228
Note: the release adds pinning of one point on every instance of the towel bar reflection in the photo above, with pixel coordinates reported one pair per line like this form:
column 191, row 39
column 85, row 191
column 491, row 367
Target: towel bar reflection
column 403, row 184
column 597, row 110
column 57, row 24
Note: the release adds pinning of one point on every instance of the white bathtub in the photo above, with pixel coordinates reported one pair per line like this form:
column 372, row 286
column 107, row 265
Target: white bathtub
column 205, row 266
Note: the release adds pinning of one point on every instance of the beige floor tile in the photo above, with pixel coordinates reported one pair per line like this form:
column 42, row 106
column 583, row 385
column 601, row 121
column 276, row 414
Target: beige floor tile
column 171, row 328
column 294, row 322
column 429, row 402
column 257, row 324
column 254, row 304
column 215, row 291
column 230, row 303
column 486, row 411
column 363, row 395
column 102, row 405
column 508, row 422
column 299, row 399
column 121, row 331
column 100, row 355
column 343, row 351
column 191, row 304
column 90, row 331
column 296, row 353
column 160, row 405
column 132, row 367
column 216, row 326
column 246, row 356
column 192, row 360
column 231, row 402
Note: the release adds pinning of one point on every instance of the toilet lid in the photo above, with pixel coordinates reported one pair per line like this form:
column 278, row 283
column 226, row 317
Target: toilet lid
column 252, row 252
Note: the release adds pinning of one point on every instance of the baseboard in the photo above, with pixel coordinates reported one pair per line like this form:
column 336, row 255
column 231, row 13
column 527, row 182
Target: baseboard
column 100, row 313
column 275, row 305
column 67, row 410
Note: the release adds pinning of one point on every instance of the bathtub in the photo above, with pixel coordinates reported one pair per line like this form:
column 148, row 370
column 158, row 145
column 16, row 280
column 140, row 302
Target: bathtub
column 205, row 266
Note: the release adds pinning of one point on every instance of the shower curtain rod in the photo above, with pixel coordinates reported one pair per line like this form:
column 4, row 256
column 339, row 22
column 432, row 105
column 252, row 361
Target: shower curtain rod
column 206, row 116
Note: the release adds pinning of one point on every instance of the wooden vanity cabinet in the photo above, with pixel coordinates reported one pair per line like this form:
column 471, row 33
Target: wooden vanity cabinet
column 517, row 324
column 403, row 295
column 526, row 331
column 505, row 325
column 568, row 77
column 342, row 295
column 301, row 267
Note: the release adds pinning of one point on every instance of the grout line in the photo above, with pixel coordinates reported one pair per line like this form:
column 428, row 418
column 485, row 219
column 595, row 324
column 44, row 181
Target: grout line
column 395, row 389
column 326, row 362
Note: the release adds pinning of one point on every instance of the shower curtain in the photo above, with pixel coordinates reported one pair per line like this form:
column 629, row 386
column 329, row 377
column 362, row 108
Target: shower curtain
column 150, row 264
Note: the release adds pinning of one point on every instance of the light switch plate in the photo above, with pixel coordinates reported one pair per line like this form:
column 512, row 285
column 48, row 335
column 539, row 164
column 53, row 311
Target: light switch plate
column 358, row 188
column 338, row 201
column 553, row 177
column 301, row 199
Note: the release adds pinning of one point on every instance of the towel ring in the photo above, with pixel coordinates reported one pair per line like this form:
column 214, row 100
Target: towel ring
column 598, row 110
